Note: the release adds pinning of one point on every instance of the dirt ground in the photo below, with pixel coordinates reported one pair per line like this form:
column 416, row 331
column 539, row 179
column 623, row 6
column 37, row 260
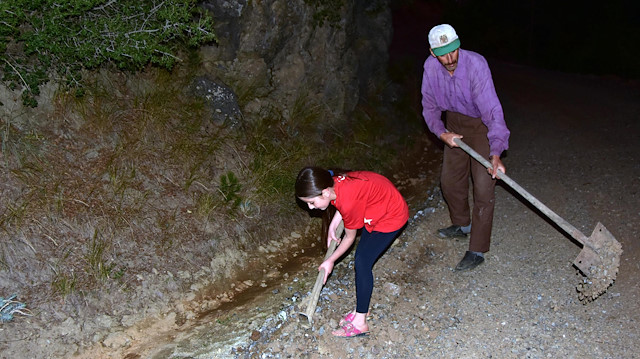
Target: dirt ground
column 574, row 146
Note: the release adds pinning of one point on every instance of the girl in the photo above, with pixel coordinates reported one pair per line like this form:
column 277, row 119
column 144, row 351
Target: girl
column 362, row 199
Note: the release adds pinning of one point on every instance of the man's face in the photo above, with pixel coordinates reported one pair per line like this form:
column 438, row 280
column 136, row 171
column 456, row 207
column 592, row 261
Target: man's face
column 449, row 60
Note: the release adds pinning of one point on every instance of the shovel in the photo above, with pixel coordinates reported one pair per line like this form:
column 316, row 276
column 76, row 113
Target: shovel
column 312, row 301
column 599, row 258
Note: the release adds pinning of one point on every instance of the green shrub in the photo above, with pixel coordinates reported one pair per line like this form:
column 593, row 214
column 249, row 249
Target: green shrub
column 230, row 188
column 66, row 37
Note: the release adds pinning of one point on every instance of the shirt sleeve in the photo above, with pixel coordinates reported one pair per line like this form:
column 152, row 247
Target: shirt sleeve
column 354, row 212
column 430, row 111
column 486, row 99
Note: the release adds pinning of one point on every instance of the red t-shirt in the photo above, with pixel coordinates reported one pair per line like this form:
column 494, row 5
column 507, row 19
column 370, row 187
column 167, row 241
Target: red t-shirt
column 370, row 200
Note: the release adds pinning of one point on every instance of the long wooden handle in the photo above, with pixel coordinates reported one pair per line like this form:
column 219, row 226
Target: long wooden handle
column 566, row 226
column 315, row 293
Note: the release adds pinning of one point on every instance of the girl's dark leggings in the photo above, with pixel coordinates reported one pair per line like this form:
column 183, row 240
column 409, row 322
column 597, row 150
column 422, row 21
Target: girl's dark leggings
column 370, row 248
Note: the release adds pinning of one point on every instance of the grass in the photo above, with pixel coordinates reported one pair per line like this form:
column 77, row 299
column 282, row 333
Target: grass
column 99, row 266
column 64, row 281
column 230, row 188
column 206, row 203
column 64, row 285
column 118, row 153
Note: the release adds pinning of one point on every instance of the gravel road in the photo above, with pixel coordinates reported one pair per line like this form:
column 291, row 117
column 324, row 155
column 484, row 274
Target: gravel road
column 574, row 146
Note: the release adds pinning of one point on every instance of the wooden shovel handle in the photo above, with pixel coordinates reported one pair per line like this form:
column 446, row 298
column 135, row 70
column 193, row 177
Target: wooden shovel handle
column 315, row 293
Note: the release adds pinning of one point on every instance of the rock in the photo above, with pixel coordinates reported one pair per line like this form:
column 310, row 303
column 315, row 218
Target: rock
column 128, row 320
column 255, row 335
column 104, row 321
column 116, row 340
column 392, row 289
column 221, row 99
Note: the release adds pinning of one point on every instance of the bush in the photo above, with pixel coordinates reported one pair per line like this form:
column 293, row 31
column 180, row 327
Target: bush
column 41, row 37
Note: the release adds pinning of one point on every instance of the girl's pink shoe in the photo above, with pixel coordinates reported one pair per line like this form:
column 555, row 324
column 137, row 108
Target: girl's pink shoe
column 349, row 331
column 348, row 318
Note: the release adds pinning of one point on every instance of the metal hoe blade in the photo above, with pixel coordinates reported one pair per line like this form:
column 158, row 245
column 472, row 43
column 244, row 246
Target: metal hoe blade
column 599, row 258
column 599, row 262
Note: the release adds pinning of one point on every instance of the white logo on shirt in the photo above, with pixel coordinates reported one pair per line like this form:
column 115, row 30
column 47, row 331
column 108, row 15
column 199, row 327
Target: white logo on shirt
column 368, row 221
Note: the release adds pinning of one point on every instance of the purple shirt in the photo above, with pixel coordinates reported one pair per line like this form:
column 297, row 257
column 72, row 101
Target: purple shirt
column 469, row 91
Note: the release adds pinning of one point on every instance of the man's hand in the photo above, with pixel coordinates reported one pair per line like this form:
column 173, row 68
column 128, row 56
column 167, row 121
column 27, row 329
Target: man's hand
column 496, row 164
column 448, row 137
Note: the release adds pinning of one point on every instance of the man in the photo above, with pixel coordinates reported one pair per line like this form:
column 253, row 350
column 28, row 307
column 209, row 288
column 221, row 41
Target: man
column 459, row 83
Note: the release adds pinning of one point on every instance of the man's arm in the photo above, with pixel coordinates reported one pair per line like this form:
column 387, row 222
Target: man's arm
column 430, row 111
column 486, row 99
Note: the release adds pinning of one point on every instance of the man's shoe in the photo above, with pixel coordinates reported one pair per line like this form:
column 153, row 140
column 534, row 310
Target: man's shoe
column 452, row 232
column 469, row 261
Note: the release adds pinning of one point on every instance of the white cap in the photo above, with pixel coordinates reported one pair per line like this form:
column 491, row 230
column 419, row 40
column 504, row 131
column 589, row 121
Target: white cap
column 443, row 39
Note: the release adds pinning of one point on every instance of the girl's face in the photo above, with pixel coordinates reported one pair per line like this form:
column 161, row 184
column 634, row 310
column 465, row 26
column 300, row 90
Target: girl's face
column 318, row 202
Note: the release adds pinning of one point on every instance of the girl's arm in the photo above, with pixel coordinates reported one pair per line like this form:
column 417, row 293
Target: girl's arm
column 345, row 244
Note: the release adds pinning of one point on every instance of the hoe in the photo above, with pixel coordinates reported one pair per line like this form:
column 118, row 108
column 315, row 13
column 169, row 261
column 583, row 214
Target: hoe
column 599, row 258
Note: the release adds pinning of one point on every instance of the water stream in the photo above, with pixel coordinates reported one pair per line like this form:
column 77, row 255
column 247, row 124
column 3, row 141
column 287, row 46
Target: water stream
column 265, row 304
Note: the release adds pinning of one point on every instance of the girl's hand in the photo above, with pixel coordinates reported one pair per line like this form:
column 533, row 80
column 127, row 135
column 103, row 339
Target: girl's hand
column 345, row 244
column 328, row 268
column 335, row 222
column 338, row 240
column 331, row 236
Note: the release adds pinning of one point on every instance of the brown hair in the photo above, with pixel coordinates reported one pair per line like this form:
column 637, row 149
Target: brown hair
column 310, row 183
column 312, row 180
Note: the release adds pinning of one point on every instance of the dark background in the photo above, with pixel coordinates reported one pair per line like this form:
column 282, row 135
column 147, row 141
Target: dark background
column 600, row 38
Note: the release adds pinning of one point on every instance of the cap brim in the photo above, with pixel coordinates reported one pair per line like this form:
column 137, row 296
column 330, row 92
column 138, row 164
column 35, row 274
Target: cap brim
column 443, row 50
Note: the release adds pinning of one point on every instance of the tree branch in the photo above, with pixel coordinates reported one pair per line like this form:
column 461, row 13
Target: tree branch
column 19, row 75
